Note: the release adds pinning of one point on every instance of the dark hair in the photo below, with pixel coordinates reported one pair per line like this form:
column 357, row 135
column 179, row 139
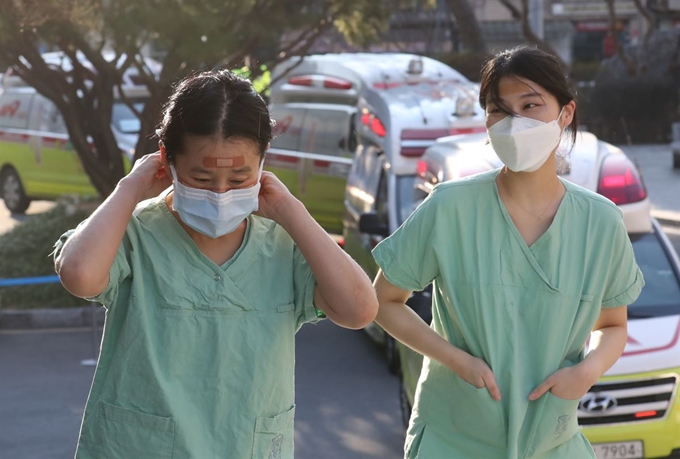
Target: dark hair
column 532, row 64
column 217, row 104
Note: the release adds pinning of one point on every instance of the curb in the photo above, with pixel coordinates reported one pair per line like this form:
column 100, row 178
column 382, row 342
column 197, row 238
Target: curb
column 667, row 218
column 19, row 319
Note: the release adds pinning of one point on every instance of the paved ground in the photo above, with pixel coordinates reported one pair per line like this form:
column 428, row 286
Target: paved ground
column 9, row 221
column 347, row 406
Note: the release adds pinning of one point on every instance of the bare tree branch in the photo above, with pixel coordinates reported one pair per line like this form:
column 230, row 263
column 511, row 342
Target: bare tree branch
column 620, row 51
column 523, row 17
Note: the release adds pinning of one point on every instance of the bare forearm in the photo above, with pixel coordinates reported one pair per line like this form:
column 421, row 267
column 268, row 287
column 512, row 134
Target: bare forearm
column 87, row 256
column 346, row 289
column 406, row 326
column 607, row 345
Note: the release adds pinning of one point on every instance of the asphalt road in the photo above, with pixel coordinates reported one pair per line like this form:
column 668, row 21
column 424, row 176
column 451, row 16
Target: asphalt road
column 347, row 406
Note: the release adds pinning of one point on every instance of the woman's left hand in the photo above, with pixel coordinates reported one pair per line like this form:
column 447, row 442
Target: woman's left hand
column 275, row 199
column 568, row 383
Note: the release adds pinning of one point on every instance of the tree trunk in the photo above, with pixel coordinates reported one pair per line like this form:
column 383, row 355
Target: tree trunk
column 630, row 65
column 467, row 25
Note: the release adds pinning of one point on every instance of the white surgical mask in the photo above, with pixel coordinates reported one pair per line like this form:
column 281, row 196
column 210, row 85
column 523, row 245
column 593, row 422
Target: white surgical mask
column 524, row 144
column 214, row 214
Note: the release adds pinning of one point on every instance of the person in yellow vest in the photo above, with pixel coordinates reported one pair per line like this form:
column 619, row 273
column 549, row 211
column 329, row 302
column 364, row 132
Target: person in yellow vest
column 525, row 266
column 207, row 266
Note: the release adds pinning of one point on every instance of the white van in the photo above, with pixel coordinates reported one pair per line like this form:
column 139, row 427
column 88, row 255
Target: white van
column 334, row 109
column 37, row 160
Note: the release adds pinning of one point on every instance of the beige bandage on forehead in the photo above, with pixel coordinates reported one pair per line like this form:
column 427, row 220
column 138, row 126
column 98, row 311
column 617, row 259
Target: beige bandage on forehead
column 224, row 163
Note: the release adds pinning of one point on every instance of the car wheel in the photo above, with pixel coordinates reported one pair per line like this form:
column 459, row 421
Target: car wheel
column 392, row 355
column 676, row 160
column 404, row 404
column 13, row 192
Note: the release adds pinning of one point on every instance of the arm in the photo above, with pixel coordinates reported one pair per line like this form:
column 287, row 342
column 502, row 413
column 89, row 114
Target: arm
column 607, row 344
column 405, row 325
column 343, row 291
column 87, row 256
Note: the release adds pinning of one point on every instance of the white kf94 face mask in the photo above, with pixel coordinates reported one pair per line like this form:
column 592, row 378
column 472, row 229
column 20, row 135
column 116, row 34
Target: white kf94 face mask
column 524, row 144
column 214, row 214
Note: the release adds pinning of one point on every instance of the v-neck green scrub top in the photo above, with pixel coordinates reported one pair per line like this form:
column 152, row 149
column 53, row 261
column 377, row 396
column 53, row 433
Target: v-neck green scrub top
column 197, row 360
column 526, row 311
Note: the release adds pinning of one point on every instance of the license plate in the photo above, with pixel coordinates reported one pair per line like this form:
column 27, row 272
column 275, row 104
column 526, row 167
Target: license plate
column 622, row 450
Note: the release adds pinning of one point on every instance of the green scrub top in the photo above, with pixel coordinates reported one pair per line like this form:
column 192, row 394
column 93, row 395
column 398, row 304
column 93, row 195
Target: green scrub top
column 197, row 360
column 526, row 311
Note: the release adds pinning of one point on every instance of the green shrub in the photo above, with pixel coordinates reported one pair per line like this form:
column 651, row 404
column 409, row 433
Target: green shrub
column 25, row 252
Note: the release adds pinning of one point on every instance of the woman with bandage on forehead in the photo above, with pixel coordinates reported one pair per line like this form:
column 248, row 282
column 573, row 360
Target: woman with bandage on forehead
column 207, row 266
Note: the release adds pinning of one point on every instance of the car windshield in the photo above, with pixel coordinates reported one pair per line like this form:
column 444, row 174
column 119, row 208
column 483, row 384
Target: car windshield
column 405, row 184
column 124, row 119
column 661, row 294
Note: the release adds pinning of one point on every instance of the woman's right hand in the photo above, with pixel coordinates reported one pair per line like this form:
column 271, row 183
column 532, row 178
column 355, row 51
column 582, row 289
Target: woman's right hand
column 477, row 373
column 148, row 177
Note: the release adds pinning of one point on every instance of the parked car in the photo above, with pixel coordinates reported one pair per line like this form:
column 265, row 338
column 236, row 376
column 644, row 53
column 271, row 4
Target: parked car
column 374, row 211
column 330, row 109
column 37, row 160
column 593, row 164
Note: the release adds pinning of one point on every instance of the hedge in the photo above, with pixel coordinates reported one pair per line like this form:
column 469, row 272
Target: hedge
column 25, row 252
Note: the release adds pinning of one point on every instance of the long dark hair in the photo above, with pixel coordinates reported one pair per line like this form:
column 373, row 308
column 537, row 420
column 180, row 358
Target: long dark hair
column 216, row 104
column 532, row 64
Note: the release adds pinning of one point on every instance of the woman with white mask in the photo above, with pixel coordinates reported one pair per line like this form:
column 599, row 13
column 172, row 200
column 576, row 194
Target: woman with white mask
column 205, row 283
column 524, row 267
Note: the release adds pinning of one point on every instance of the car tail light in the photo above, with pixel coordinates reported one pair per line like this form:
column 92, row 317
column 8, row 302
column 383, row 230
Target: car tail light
column 421, row 168
column 620, row 181
column 378, row 127
column 373, row 123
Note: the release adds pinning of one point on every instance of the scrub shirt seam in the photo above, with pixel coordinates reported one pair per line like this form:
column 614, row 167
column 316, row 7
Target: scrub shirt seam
column 633, row 289
column 526, row 249
column 390, row 276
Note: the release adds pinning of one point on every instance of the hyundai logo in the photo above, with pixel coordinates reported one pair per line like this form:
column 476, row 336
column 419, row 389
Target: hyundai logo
column 598, row 403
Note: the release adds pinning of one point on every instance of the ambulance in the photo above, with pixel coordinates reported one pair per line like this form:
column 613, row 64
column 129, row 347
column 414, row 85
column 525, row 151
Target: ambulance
column 37, row 160
column 334, row 109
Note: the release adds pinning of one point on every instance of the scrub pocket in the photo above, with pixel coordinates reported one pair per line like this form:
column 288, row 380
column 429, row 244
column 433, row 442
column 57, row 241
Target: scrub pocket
column 124, row 433
column 477, row 415
column 556, row 423
column 274, row 436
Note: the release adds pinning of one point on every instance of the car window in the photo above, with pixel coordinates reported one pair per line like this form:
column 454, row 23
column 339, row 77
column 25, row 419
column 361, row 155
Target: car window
column 405, row 197
column 124, row 119
column 50, row 119
column 661, row 294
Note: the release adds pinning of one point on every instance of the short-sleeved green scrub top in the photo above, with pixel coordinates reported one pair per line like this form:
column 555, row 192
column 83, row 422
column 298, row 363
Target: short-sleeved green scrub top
column 197, row 360
column 526, row 311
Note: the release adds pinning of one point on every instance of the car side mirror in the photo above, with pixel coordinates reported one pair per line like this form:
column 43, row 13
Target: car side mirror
column 371, row 223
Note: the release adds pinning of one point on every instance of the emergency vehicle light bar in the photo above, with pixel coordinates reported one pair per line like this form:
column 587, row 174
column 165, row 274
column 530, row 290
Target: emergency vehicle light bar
column 320, row 81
